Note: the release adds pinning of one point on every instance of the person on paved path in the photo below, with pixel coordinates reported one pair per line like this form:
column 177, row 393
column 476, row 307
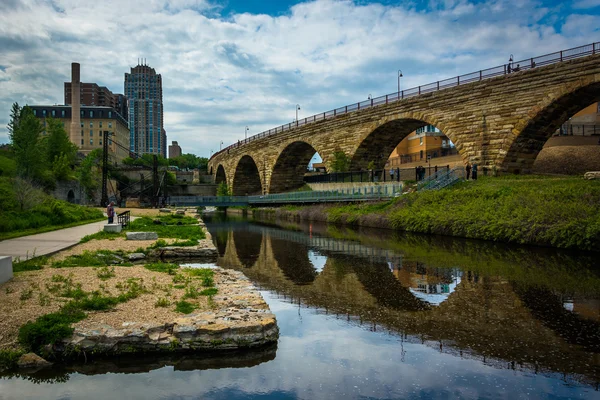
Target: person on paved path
column 474, row 173
column 468, row 168
column 110, row 211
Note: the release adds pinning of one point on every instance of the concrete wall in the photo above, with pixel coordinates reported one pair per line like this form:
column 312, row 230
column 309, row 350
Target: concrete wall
column 502, row 122
column 6, row 270
column 64, row 188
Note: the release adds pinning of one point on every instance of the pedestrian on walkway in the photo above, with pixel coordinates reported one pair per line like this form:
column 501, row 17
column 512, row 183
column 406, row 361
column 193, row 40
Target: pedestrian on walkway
column 110, row 212
column 468, row 169
column 474, row 173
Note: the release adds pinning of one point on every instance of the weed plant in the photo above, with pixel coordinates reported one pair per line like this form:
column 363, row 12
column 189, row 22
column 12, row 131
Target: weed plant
column 184, row 307
column 209, row 292
column 101, row 235
column 105, row 273
column 33, row 264
column 168, row 268
column 162, row 302
column 99, row 258
column 206, row 275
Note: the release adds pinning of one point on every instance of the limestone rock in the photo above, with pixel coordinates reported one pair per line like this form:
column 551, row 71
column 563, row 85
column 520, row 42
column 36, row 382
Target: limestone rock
column 592, row 175
column 142, row 235
column 136, row 256
column 32, row 360
column 113, row 228
column 164, row 210
column 180, row 212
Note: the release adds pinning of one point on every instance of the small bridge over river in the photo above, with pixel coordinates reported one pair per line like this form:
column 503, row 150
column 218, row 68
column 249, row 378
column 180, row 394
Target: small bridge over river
column 499, row 118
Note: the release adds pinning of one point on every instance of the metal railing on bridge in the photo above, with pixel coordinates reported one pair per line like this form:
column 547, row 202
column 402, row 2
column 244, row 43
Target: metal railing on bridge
column 377, row 175
column 370, row 193
column 515, row 66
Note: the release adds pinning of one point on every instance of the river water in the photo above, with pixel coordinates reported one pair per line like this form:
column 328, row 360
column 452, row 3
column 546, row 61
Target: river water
column 373, row 314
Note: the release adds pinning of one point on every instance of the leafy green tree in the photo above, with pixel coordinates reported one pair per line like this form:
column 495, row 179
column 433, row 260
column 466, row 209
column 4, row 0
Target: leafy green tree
column 25, row 140
column 58, row 146
column 223, row 189
column 189, row 161
column 340, row 162
column 89, row 175
column 15, row 116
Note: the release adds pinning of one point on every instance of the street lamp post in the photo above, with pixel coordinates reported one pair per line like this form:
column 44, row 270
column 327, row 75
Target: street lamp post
column 399, row 76
column 221, row 146
column 246, row 132
column 297, row 108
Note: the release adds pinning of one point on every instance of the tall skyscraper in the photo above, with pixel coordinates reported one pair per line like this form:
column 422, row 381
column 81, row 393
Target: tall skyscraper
column 143, row 89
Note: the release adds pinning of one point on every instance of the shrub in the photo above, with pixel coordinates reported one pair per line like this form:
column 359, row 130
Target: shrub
column 162, row 302
column 209, row 292
column 184, row 307
column 32, row 264
column 49, row 329
column 105, row 273
column 9, row 358
column 169, row 268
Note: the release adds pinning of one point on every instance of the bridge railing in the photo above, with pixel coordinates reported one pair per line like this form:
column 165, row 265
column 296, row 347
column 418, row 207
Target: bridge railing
column 515, row 66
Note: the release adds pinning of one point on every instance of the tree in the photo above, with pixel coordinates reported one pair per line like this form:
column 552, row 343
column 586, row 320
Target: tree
column 26, row 193
column 58, row 145
column 25, row 138
column 189, row 161
column 340, row 162
column 88, row 173
column 15, row 115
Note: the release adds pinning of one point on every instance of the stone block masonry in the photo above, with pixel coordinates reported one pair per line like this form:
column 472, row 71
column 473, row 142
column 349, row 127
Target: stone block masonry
column 141, row 235
column 500, row 123
column 6, row 269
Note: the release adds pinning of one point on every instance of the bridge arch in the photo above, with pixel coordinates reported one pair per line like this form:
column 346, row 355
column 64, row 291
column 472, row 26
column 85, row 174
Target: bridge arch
column 220, row 176
column 377, row 145
column 290, row 166
column 547, row 117
column 246, row 179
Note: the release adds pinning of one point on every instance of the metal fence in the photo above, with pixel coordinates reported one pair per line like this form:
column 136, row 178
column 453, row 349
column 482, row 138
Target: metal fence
column 379, row 175
column 579, row 130
column 516, row 66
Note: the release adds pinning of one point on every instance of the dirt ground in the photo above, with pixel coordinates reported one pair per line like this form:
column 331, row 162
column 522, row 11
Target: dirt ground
column 568, row 160
column 34, row 293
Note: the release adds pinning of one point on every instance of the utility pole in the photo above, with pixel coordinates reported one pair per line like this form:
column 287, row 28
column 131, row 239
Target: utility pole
column 104, row 197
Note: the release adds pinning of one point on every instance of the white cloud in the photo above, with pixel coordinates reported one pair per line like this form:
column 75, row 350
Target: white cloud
column 584, row 4
column 221, row 74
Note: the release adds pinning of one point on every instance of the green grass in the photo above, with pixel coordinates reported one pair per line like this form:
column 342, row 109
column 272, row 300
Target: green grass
column 105, row 273
column 162, row 302
column 180, row 243
column 49, row 329
column 558, row 212
column 209, row 292
column 177, row 219
column 33, row 264
column 185, row 232
column 206, row 275
column 184, row 307
column 99, row 258
column 168, row 268
column 101, row 235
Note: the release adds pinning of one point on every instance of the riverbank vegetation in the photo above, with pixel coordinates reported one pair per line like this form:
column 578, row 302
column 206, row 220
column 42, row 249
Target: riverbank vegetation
column 557, row 212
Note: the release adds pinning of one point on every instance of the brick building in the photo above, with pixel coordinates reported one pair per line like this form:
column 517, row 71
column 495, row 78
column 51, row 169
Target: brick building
column 425, row 142
column 174, row 150
column 93, row 95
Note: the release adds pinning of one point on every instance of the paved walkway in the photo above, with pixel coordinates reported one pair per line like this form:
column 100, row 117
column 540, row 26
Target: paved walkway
column 47, row 243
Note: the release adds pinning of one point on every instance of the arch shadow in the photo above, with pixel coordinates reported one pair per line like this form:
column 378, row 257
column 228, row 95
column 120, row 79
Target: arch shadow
column 220, row 175
column 382, row 141
column 246, row 180
column 290, row 167
column 527, row 145
column 292, row 259
column 247, row 246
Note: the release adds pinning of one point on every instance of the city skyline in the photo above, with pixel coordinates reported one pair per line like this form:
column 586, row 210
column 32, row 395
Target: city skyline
column 228, row 66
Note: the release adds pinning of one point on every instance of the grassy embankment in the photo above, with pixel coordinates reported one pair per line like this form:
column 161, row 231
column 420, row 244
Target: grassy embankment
column 557, row 212
column 34, row 212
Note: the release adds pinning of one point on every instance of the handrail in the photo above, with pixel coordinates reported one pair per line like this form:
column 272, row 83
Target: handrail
column 528, row 63
column 124, row 218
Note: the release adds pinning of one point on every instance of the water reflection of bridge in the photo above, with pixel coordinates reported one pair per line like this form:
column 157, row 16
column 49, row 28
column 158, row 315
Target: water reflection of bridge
column 487, row 317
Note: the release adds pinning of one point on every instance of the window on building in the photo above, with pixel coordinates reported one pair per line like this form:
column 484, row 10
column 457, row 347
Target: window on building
column 91, row 124
column 62, row 113
column 44, row 113
column 91, row 142
column 91, row 114
column 82, row 133
column 110, row 124
column 82, row 142
column 82, row 124
column 421, row 154
column 91, row 132
column 54, row 113
column 100, row 142
column 81, row 112
column 421, row 141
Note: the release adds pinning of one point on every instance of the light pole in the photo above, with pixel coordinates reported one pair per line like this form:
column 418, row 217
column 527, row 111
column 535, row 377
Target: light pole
column 297, row 108
column 510, row 62
column 246, row 132
column 221, row 146
column 399, row 76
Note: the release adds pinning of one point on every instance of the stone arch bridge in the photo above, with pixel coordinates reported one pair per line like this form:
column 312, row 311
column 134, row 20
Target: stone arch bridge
column 497, row 119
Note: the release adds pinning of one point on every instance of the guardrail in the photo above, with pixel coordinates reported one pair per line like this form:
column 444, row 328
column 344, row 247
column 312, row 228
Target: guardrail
column 528, row 63
column 124, row 218
column 329, row 196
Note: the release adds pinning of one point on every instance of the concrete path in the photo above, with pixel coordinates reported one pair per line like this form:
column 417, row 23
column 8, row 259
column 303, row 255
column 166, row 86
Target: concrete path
column 47, row 243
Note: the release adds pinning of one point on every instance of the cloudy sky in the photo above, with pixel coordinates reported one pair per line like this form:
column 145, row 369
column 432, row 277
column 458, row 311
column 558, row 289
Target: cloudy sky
column 231, row 64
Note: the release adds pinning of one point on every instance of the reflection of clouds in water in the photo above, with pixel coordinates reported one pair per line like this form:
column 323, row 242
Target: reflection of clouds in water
column 317, row 260
column 321, row 358
column 443, row 292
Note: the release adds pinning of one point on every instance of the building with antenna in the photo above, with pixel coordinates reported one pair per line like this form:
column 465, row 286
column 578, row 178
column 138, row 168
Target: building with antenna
column 143, row 89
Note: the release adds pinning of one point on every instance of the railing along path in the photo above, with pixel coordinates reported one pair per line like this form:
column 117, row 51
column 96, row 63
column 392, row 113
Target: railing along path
column 528, row 63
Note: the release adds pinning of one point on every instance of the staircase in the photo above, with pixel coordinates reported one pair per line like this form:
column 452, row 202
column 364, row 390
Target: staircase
column 442, row 179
